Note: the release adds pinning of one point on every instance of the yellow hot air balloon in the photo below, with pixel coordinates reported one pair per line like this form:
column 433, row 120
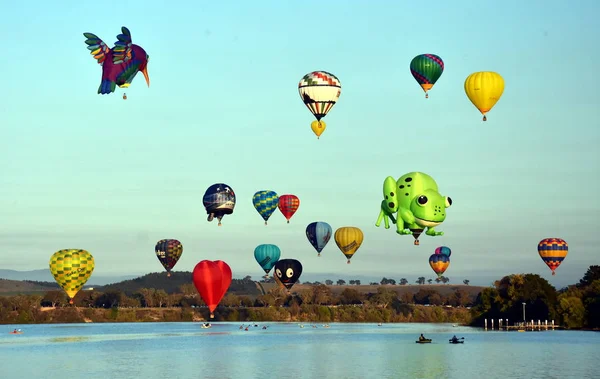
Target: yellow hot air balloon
column 318, row 127
column 71, row 269
column 484, row 89
column 348, row 239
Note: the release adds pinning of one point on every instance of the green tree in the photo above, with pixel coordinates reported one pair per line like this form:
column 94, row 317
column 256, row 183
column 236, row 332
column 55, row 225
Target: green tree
column 592, row 274
column 403, row 282
column 571, row 311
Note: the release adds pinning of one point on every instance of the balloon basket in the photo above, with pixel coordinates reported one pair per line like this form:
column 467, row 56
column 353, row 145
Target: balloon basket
column 348, row 262
column 426, row 95
column 168, row 274
column 219, row 224
column 318, row 255
column 417, row 243
column 212, row 315
column 265, row 223
column 71, row 301
column 288, row 221
column 553, row 273
column 484, row 118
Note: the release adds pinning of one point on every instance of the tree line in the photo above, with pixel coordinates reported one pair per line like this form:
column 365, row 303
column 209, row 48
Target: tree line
column 574, row 307
column 384, row 305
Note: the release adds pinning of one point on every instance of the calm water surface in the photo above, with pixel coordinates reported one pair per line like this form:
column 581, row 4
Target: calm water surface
column 284, row 350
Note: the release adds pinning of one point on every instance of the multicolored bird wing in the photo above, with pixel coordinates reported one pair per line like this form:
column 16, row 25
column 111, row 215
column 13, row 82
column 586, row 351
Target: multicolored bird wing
column 125, row 77
column 122, row 49
column 97, row 47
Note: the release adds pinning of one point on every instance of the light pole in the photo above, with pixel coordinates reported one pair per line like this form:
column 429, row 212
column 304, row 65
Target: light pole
column 524, row 313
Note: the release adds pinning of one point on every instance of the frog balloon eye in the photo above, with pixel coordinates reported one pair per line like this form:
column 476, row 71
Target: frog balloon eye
column 289, row 273
column 422, row 200
column 278, row 273
column 448, row 202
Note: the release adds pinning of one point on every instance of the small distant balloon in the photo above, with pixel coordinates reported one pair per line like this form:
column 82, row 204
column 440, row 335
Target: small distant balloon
column 168, row 252
column 318, row 234
column 265, row 202
column 288, row 205
column 439, row 263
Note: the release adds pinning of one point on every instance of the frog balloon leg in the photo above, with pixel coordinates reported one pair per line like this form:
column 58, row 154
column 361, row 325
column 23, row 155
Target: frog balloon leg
column 389, row 205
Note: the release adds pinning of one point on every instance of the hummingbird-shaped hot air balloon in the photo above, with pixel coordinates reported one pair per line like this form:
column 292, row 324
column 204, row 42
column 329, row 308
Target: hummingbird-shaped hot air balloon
column 119, row 64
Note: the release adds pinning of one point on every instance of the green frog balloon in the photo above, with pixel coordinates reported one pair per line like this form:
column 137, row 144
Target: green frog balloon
column 417, row 203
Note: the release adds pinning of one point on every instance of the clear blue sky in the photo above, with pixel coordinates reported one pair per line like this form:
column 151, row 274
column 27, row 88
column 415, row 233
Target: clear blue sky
column 81, row 170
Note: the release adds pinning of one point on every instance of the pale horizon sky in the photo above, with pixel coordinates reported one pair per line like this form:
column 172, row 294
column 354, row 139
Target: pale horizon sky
column 81, row 170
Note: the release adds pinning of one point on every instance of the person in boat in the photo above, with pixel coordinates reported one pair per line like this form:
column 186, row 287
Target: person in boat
column 454, row 339
column 265, row 327
column 422, row 338
column 15, row 331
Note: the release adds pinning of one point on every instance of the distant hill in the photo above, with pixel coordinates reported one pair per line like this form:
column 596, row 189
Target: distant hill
column 44, row 275
column 16, row 287
column 172, row 284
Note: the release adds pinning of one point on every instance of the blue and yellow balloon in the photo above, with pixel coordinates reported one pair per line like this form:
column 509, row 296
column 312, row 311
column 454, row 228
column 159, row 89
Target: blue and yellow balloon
column 265, row 202
column 553, row 251
column 439, row 263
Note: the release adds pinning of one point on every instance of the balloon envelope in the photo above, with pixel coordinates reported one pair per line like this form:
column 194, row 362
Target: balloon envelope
column 348, row 239
column 443, row 250
column 553, row 251
column 439, row 263
column 318, row 234
column 219, row 200
column 319, row 91
column 168, row 252
column 287, row 272
column 267, row 255
column 288, row 205
column 71, row 269
column 212, row 279
column 484, row 89
column 265, row 202
column 426, row 69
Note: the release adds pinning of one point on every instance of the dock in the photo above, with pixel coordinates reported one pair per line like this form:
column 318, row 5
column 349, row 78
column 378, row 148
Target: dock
column 523, row 326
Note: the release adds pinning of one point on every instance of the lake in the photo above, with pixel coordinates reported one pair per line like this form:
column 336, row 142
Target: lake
column 284, row 350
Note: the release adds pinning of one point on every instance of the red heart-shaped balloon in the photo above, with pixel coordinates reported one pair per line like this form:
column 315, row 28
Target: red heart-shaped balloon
column 212, row 280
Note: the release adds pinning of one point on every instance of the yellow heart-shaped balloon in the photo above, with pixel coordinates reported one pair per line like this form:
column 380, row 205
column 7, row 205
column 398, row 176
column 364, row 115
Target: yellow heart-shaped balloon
column 71, row 269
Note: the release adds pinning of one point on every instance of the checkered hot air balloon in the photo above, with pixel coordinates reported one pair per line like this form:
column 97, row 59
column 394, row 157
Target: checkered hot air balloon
column 553, row 251
column 319, row 91
column 71, row 269
column 265, row 202
column 168, row 252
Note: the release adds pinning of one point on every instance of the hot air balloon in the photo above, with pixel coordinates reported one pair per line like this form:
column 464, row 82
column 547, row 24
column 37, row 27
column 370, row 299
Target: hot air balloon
column 484, row 89
column 287, row 272
column 426, row 69
column 348, row 239
column 71, row 269
column 219, row 200
column 267, row 255
column 288, row 205
column 318, row 234
column 439, row 263
column 265, row 202
column 212, row 280
column 168, row 252
column 553, row 251
column 320, row 91
column 443, row 250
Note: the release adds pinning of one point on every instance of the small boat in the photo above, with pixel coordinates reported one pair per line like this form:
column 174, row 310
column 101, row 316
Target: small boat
column 424, row 341
column 206, row 325
column 456, row 342
column 17, row 332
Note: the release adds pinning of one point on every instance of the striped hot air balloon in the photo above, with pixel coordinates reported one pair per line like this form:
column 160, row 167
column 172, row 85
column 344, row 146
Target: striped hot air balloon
column 319, row 91
column 439, row 263
column 288, row 205
column 553, row 251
